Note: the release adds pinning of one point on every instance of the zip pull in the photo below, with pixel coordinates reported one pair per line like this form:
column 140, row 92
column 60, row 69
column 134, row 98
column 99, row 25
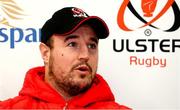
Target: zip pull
column 65, row 107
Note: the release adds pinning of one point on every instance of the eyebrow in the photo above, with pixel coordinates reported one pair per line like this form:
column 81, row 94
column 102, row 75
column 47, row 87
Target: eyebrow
column 70, row 37
column 94, row 39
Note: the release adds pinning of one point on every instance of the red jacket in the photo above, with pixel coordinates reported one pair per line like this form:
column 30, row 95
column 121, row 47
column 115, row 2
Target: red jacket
column 38, row 94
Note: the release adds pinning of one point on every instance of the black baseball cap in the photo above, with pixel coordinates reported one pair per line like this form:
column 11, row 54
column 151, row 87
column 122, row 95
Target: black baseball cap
column 68, row 19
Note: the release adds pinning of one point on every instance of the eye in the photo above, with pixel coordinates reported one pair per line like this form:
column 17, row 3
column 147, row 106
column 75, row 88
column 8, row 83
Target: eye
column 92, row 46
column 72, row 44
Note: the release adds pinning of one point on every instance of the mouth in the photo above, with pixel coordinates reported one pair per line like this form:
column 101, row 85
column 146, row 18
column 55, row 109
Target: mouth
column 83, row 69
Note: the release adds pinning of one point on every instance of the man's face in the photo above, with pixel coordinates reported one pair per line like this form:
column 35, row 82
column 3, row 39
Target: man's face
column 73, row 60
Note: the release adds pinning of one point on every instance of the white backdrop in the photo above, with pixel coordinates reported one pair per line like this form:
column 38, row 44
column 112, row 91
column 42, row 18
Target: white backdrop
column 138, row 87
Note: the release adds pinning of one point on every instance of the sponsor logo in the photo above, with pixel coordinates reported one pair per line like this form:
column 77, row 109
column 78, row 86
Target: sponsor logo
column 9, row 10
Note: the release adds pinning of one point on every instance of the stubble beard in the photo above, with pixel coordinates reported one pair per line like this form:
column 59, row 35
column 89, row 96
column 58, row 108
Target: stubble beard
column 66, row 81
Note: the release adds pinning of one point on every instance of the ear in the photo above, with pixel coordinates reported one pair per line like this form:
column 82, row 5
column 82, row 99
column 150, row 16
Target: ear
column 45, row 52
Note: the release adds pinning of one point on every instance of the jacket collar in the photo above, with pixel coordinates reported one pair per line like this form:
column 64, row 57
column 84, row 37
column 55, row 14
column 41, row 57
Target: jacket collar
column 35, row 86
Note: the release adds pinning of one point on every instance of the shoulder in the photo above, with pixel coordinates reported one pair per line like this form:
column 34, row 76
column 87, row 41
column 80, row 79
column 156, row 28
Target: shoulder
column 17, row 102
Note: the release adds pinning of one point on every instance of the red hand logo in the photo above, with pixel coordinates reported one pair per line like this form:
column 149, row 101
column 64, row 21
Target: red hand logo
column 148, row 7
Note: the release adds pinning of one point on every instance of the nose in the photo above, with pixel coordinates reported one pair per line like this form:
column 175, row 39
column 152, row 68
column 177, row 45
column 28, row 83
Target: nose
column 84, row 54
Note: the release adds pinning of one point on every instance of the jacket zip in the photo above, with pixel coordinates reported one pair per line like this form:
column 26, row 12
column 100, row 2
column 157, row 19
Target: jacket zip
column 65, row 107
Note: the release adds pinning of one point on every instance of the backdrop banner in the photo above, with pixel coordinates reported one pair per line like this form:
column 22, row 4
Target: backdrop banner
column 140, row 59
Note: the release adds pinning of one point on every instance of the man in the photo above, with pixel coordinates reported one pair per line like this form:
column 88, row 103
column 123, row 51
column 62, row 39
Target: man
column 69, row 48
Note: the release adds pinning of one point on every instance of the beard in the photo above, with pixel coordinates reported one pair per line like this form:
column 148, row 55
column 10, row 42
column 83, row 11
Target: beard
column 71, row 87
column 66, row 80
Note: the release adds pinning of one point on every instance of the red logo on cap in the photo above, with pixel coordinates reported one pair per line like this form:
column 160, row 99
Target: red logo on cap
column 78, row 12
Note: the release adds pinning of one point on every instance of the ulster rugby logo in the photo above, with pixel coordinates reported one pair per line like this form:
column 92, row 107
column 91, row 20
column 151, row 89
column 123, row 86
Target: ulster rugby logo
column 9, row 10
column 148, row 7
